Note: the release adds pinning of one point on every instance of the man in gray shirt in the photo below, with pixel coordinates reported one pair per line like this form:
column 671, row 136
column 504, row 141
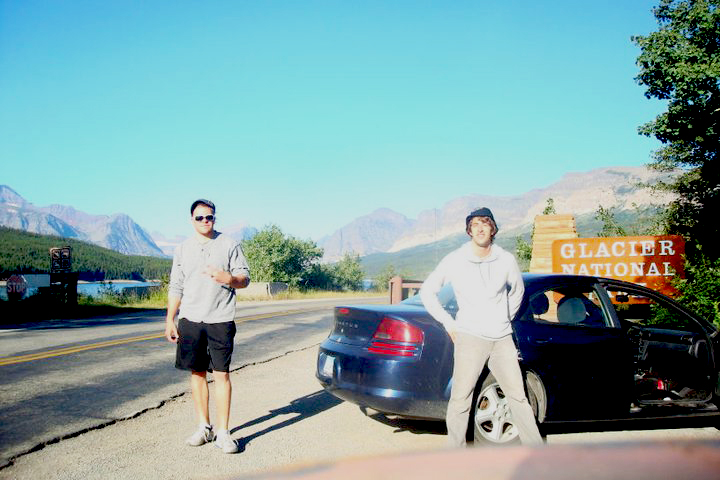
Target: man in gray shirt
column 206, row 270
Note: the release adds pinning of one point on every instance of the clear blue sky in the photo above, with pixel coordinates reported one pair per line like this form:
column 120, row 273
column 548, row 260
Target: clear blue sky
column 308, row 114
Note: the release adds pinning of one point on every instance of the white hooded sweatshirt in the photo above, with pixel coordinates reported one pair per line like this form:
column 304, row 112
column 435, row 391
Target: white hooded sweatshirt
column 488, row 290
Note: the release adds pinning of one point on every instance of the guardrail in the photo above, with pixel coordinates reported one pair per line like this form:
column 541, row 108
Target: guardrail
column 400, row 288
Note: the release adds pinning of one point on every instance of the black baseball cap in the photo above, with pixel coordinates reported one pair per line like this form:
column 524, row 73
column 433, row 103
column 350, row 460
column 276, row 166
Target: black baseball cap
column 480, row 212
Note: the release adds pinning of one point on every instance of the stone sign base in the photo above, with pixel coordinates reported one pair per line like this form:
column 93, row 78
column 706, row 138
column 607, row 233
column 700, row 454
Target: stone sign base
column 549, row 228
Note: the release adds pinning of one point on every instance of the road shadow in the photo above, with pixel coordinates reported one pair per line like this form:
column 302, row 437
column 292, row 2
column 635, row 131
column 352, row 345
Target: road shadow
column 304, row 407
column 416, row 426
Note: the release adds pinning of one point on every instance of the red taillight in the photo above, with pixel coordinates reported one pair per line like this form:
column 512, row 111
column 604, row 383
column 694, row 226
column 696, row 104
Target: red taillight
column 395, row 337
column 398, row 331
column 343, row 311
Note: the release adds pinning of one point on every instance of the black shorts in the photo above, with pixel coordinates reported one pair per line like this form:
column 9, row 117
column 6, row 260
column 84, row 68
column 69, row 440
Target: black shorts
column 204, row 347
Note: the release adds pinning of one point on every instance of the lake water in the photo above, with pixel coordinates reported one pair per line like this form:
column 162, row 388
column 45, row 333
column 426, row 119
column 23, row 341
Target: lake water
column 92, row 289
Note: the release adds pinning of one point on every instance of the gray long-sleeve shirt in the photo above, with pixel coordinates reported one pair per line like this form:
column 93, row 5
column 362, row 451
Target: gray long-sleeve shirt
column 202, row 298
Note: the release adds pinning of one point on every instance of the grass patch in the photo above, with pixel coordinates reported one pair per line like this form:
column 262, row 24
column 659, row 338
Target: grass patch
column 33, row 310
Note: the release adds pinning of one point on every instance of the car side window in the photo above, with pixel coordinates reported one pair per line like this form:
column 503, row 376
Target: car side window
column 568, row 306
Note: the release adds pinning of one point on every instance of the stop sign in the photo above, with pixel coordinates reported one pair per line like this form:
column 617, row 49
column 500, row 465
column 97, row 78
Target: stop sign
column 16, row 287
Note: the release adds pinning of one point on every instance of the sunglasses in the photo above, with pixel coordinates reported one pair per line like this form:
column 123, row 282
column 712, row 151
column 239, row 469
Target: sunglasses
column 209, row 218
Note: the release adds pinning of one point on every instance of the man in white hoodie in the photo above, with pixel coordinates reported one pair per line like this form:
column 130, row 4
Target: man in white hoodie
column 489, row 288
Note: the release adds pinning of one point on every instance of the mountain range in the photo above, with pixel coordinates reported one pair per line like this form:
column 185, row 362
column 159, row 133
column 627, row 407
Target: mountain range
column 117, row 232
column 578, row 193
column 383, row 231
column 167, row 244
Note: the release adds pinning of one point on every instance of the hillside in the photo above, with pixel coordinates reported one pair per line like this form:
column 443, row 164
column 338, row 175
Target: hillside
column 117, row 232
column 578, row 193
column 418, row 261
column 23, row 252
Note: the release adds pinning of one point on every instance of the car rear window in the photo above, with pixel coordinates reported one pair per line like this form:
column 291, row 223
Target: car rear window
column 446, row 297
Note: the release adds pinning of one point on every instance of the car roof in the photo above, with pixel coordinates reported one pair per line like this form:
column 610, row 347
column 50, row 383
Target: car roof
column 544, row 278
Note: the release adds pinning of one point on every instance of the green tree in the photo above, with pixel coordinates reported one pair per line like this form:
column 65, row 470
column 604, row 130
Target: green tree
column 610, row 227
column 523, row 252
column 700, row 291
column 549, row 207
column 348, row 273
column 523, row 248
column 680, row 65
column 275, row 257
column 381, row 281
column 645, row 220
column 318, row 276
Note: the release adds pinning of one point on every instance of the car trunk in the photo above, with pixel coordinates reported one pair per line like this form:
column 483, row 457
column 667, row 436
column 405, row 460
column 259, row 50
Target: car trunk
column 354, row 326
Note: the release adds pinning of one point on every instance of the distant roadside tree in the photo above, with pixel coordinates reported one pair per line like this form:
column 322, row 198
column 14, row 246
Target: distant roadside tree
column 317, row 277
column 274, row 257
column 680, row 65
column 381, row 281
column 348, row 272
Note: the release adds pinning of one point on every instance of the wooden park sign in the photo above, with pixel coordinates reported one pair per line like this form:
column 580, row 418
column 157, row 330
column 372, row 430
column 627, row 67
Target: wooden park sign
column 652, row 261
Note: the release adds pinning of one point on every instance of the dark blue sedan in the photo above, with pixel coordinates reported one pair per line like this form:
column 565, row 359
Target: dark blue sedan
column 590, row 348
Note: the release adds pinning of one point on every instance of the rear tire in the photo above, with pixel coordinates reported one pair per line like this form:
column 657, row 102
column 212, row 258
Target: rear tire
column 491, row 420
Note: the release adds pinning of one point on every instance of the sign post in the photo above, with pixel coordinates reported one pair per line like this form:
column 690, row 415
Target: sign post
column 63, row 281
column 60, row 259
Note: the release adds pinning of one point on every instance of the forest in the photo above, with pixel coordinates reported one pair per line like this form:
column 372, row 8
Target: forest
column 23, row 252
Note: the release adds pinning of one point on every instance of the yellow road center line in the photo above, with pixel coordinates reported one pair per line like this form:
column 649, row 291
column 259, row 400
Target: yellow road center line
column 121, row 341
column 79, row 348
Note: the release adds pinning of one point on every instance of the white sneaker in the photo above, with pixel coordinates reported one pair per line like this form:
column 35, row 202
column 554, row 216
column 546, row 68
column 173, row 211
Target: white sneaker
column 201, row 437
column 227, row 444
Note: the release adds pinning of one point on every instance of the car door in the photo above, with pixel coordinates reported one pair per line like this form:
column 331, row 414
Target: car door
column 674, row 357
column 568, row 335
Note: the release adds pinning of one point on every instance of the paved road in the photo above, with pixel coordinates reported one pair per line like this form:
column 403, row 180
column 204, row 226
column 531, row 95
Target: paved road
column 281, row 416
column 63, row 377
column 283, row 421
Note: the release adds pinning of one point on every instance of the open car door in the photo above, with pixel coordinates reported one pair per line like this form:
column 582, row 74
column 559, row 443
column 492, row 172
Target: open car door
column 674, row 353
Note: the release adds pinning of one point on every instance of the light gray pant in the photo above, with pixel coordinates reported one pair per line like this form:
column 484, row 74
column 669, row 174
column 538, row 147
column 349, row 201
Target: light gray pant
column 471, row 354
